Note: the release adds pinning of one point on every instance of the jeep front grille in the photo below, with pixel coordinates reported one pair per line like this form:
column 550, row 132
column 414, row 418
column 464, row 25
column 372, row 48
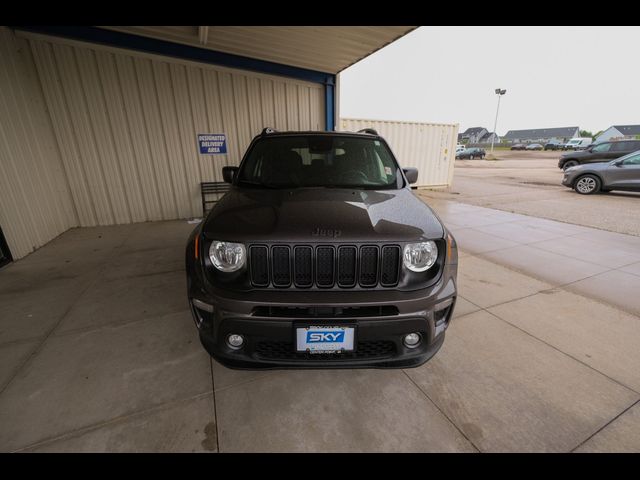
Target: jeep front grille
column 303, row 266
column 368, row 266
column 259, row 266
column 280, row 266
column 324, row 266
column 347, row 260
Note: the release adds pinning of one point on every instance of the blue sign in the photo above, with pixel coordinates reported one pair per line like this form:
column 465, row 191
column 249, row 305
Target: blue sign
column 212, row 143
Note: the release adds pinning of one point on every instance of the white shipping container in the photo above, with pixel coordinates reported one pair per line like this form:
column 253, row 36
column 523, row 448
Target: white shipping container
column 429, row 147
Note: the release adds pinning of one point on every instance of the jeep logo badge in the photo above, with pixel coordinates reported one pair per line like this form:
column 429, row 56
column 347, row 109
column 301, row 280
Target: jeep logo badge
column 324, row 232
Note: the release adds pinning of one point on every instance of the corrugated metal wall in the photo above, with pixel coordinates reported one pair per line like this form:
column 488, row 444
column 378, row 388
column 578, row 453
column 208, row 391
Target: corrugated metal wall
column 35, row 201
column 430, row 147
column 126, row 124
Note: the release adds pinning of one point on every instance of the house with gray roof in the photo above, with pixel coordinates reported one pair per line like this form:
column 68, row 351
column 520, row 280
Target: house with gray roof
column 619, row 132
column 542, row 135
column 489, row 137
column 473, row 135
column 477, row 135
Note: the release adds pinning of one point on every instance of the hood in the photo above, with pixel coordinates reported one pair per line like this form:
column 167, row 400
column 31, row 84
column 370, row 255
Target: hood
column 321, row 215
column 597, row 166
column 576, row 154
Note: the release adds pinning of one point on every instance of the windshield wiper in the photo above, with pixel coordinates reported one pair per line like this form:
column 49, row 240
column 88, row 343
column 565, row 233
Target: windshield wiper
column 360, row 187
column 274, row 186
column 264, row 185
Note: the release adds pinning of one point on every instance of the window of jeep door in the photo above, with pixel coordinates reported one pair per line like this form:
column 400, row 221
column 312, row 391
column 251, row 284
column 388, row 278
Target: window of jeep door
column 621, row 147
column 602, row 148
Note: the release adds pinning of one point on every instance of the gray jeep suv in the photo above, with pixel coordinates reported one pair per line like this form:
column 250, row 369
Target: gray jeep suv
column 599, row 152
column 319, row 256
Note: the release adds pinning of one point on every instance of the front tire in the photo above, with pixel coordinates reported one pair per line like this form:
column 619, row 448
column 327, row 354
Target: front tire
column 569, row 164
column 587, row 185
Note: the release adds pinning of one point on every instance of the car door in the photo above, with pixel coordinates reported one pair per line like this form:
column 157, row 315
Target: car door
column 625, row 174
column 599, row 153
column 622, row 148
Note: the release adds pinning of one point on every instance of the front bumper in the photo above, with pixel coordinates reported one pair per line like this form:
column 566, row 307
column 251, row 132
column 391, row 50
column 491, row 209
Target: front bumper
column 569, row 178
column 261, row 318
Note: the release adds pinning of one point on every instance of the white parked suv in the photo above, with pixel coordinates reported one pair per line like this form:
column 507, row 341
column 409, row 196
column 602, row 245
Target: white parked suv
column 579, row 143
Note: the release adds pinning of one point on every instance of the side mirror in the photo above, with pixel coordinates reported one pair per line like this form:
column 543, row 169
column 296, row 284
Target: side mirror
column 229, row 173
column 411, row 174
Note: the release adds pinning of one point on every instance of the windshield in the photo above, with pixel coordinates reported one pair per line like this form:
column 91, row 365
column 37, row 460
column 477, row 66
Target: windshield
column 320, row 161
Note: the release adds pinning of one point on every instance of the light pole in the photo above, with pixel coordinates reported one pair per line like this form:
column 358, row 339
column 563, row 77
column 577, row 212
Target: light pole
column 499, row 92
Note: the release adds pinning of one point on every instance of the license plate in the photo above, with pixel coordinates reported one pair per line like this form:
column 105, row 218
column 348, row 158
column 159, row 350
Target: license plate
column 325, row 339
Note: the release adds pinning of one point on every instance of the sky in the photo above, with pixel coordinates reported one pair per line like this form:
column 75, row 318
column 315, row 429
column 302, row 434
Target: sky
column 554, row 76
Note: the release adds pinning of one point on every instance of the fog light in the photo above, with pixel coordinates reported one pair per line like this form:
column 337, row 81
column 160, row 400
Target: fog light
column 235, row 340
column 411, row 340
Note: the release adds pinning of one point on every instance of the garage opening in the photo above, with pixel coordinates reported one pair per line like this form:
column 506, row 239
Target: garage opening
column 109, row 126
column 5, row 254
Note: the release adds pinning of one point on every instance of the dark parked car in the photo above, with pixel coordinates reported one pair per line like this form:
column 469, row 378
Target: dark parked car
column 553, row 146
column 471, row 153
column 600, row 152
column 534, row 146
column 518, row 146
column 620, row 174
column 319, row 256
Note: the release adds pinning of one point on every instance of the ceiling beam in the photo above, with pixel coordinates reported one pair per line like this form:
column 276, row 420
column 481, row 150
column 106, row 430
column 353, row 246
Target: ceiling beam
column 203, row 33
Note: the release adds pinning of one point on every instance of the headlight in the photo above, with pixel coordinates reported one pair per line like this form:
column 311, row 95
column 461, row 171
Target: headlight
column 419, row 257
column 227, row 256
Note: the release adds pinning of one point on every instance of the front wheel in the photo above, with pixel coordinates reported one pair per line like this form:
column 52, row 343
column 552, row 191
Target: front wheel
column 587, row 184
column 569, row 164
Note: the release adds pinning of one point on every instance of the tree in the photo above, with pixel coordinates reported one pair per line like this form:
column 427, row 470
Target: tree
column 586, row 133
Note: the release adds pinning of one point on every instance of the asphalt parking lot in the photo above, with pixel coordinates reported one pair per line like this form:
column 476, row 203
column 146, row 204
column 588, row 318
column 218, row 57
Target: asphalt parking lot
column 529, row 183
column 98, row 351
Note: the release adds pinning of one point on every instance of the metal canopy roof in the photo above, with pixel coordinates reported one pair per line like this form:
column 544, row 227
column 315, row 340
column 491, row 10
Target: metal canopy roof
column 323, row 49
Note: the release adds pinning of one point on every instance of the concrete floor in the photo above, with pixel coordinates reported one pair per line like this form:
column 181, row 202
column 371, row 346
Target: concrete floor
column 98, row 352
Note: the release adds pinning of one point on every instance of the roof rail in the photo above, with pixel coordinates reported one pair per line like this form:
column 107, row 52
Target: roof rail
column 267, row 131
column 370, row 131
